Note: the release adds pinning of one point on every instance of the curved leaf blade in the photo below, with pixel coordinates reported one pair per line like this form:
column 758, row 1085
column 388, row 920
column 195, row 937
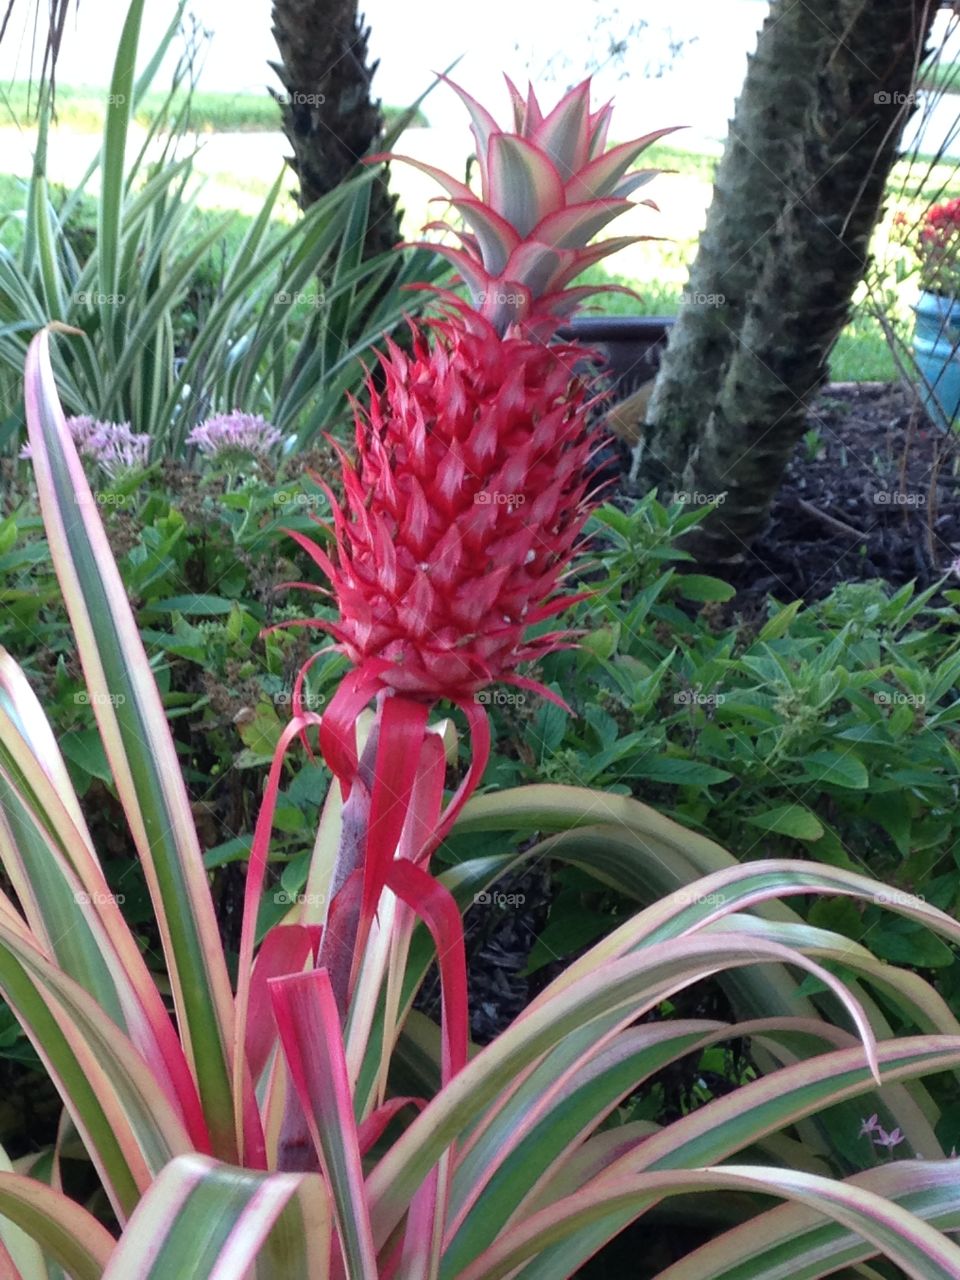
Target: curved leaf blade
column 139, row 746
column 793, row 1242
column 210, row 1221
column 66, row 1233
column 923, row 1252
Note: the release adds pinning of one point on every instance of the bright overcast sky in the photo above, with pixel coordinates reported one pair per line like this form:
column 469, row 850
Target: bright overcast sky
column 553, row 41
column 550, row 40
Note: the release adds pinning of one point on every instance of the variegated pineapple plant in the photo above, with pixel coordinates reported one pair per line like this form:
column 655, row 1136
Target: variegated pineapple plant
column 259, row 1132
column 470, row 489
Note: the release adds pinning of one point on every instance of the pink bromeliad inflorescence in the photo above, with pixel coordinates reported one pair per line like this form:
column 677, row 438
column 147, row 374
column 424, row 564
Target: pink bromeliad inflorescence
column 464, row 506
column 462, row 511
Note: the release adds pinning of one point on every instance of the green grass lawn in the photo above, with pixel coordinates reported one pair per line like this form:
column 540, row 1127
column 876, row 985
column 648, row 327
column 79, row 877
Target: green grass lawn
column 694, row 164
column 941, row 76
column 82, row 109
column 658, row 270
column 861, row 353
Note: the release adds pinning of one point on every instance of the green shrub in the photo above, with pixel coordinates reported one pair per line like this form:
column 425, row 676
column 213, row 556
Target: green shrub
column 827, row 731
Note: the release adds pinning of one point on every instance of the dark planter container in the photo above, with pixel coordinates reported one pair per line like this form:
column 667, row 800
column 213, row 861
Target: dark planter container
column 631, row 345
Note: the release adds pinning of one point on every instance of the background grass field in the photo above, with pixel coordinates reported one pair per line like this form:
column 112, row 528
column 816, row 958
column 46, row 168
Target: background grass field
column 656, row 271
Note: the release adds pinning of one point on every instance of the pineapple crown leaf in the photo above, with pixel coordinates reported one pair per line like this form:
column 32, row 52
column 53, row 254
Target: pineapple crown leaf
column 546, row 189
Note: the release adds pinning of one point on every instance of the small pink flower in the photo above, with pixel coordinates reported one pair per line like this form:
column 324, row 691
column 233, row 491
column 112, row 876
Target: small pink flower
column 889, row 1140
column 878, row 1135
column 868, row 1126
column 234, row 434
column 112, row 446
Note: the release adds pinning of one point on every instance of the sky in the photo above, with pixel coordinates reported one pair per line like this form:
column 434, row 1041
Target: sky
column 685, row 67
column 552, row 41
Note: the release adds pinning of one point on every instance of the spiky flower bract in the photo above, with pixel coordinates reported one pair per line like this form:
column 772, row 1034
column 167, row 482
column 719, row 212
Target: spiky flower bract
column 462, row 512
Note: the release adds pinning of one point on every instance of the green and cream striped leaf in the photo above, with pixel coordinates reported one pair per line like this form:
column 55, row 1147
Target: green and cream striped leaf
column 768, row 990
column 23, row 1250
column 726, row 1125
column 918, row 1002
column 139, row 747
column 640, row 853
column 499, row 1167
column 130, row 1127
column 202, row 1220
column 552, row 807
column 610, row 998
column 733, row 1123
column 624, row 858
column 309, row 1026
column 906, row 1239
column 646, row 855
column 48, row 1223
column 29, row 750
column 45, row 850
column 795, row 1242
column 527, row 1142
column 119, row 111
column 716, row 896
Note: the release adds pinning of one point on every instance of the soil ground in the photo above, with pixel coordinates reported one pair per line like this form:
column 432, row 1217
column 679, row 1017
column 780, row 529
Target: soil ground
column 871, row 492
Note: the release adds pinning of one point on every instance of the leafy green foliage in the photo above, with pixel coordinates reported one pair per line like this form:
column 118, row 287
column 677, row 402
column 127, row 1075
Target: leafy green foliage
column 202, row 555
column 827, row 731
column 148, row 1099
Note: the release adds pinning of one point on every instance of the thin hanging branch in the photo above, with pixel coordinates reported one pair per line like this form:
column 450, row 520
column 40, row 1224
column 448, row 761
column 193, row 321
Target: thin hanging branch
column 57, row 12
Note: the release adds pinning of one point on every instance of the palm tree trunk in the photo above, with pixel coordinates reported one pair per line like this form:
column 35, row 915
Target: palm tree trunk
column 329, row 115
column 798, row 193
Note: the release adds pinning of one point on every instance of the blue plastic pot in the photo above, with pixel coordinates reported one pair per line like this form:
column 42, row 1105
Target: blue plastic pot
column 936, row 348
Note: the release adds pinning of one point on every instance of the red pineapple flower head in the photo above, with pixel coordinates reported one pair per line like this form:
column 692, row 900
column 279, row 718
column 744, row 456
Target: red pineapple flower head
column 463, row 509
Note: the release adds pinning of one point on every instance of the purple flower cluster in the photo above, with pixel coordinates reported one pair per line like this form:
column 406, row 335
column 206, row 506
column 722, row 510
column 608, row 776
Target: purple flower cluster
column 234, row 434
column 111, row 445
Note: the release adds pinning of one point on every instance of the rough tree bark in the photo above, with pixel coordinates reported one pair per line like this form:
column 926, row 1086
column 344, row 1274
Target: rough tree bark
column 329, row 115
column 798, row 193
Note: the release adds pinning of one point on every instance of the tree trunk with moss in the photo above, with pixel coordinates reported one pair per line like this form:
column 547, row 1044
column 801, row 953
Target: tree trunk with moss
column 798, row 192
column 329, row 115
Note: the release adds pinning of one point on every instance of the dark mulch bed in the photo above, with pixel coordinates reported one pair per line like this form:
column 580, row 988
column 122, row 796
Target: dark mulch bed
column 873, row 496
column 500, row 930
